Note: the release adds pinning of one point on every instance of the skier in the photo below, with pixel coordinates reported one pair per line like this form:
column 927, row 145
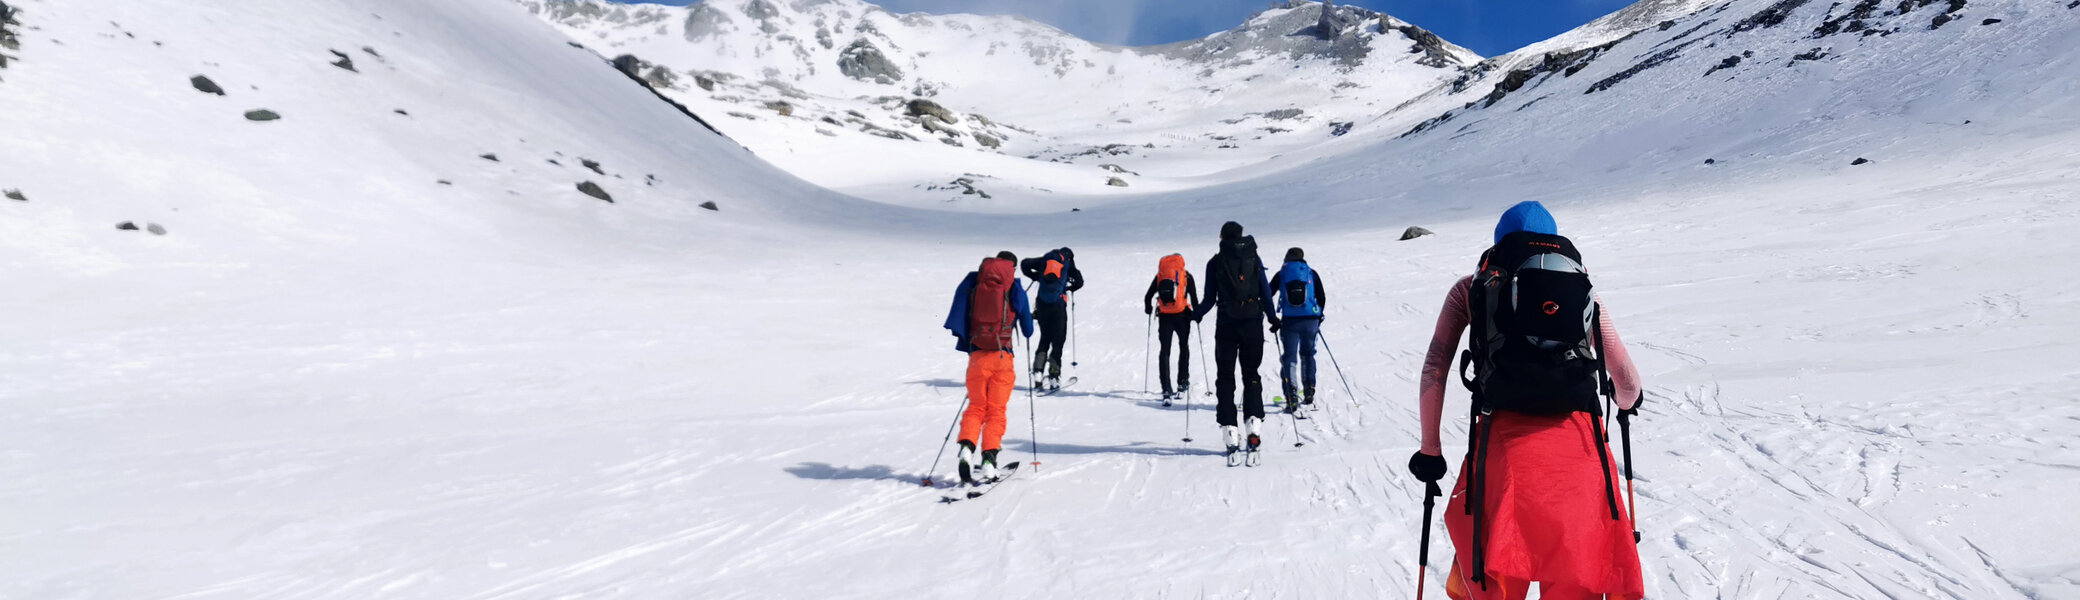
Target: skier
column 1302, row 305
column 988, row 303
column 1172, row 293
column 1537, row 450
column 1236, row 284
column 1056, row 277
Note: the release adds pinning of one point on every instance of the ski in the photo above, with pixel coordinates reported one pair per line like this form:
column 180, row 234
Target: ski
column 984, row 487
column 1050, row 391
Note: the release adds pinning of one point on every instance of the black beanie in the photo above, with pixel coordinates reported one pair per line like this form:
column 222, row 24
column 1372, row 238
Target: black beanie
column 1295, row 254
column 1231, row 230
column 1007, row 255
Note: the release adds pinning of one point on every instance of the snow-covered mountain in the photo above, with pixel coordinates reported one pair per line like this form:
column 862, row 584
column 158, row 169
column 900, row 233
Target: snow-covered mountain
column 899, row 106
column 383, row 345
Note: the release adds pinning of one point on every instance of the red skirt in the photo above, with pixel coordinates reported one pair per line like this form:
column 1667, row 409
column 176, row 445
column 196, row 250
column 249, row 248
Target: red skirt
column 1547, row 512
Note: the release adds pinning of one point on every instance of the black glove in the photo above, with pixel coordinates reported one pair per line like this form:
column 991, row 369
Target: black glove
column 1274, row 326
column 1629, row 413
column 1148, row 310
column 1426, row 467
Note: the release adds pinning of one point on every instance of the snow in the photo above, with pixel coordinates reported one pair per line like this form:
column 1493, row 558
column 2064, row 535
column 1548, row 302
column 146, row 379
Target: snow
column 336, row 377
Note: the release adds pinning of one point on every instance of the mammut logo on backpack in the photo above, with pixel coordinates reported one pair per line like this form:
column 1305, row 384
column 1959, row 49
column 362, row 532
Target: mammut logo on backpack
column 1551, row 307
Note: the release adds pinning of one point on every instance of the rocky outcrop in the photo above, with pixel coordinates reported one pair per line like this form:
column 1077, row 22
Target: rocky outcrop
column 262, row 115
column 204, row 85
column 344, row 62
column 710, row 205
column 631, row 66
column 1115, row 182
column 592, row 189
column 865, row 62
column 925, row 108
column 16, row 195
column 1414, row 232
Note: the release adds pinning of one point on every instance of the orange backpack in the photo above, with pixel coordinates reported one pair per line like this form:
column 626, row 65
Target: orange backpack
column 1172, row 282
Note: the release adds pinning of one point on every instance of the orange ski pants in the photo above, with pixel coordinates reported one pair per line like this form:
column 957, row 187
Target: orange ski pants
column 992, row 374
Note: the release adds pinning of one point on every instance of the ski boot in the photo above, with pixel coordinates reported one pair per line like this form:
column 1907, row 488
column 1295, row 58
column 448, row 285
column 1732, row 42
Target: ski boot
column 989, row 466
column 1167, row 398
column 1310, row 397
column 967, row 457
column 1292, row 404
column 1234, row 439
column 1256, row 426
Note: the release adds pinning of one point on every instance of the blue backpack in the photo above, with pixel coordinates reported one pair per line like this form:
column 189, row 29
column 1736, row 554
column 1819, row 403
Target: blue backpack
column 1297, row 286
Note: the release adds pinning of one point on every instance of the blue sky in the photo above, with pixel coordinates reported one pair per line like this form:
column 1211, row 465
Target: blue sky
column 1489, row 27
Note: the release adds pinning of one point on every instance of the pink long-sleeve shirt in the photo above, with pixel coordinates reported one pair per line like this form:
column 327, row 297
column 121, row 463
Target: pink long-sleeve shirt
column 1444, row 346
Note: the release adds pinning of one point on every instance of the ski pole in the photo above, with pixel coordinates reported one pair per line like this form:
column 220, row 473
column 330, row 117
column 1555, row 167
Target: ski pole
column 1072, row 330
column 1423, row 560
column 942, row 443
column 1284, row 384
column 1339, row 368
column 1625, row 436
column 1147, row 337
column 1032, row 414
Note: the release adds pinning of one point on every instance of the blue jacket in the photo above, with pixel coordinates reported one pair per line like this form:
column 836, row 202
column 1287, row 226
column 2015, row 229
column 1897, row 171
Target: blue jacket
column 1053, row 290
column 957, row 317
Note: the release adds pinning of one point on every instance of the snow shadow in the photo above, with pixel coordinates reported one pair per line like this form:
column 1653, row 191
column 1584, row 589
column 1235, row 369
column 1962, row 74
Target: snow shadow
column 830, row 472
column 941, row 382
column 1144, row 448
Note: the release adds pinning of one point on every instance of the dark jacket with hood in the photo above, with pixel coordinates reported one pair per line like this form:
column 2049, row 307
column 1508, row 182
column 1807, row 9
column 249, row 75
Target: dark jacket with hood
column 1247, row 272
column 1053, row 289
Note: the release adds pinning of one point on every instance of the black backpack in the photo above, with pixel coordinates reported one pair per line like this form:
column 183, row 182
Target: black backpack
column 1536, row 346
column 1242, row 285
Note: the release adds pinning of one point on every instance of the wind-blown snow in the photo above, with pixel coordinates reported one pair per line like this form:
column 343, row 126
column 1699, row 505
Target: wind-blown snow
column 335, row 377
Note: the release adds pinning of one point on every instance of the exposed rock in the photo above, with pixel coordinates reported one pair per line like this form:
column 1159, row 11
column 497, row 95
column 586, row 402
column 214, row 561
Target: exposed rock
column 1339, row 128
column 402, row 112
column 444, row 182
column 344, row 62
column 785, row 109
column 262, row 115
column 593, row 190
column 1115, row 182
column 155, row 229
column 1117, row 169
column 204, row 85
column 710, row 205
column 591, row 164
column 1284, row 114
column 987, row 140
column 705, row 83
column 1989, row 21
column 488, row 156
column 16, row 195
column 934, row 125
column 864, row 62
column 630, row 66
column 952, row 141
column 372, row 52
column 743, row 115
column 1414, row 232
column 1711, row 161
column 1814, row 54
column 1728, row 63
column 1860, row 161
column 126, row 226
column 921, row 107
column 1772, row 16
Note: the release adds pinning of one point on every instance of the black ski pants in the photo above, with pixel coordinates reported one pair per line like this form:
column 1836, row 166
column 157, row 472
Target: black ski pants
column 1177, row 326
column 1054, row 329
column 1233, row 340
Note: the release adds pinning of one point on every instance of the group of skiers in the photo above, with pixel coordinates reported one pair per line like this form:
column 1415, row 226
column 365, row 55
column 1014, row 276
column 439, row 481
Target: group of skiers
column 1543, row 357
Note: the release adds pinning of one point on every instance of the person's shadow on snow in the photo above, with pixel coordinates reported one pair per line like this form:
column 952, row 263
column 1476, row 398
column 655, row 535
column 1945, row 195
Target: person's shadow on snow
column 830, row 472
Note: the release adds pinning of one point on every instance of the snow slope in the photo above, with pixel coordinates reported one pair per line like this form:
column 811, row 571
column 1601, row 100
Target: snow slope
column 1035, row 113
column 335, row 377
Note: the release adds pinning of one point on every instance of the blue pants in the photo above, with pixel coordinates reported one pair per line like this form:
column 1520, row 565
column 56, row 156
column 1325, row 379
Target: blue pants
column 1299, row 335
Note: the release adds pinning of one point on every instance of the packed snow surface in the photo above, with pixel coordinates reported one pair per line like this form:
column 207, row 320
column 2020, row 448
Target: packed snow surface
column 335, row 376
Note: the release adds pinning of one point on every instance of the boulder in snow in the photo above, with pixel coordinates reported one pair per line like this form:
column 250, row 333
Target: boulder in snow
column 710, row 205
column 126, row 226
column 16, row 195
column 591, row 164
column 785, row 109
column 262, row 114
column 864, row 62
column 155, row 229
column 204, row 85
column 1115, row 182
column 593, row 190
column 925, row 108
column 1414, row 232
column 344, row 62
column 1859, row 161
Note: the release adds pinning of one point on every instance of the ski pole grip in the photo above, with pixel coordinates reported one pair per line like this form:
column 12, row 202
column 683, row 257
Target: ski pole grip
column 1433, row 492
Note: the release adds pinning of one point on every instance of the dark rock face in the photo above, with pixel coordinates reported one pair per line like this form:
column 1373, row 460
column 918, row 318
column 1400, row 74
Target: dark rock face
column 629, row 65
column 344, row 62
column 710, row 205
column 1115, row 182
column 1860, row 161
column 17, row 196
column 262, row 115
column 1770, row 17
column 1814, row 54
column 1730, row 62
column 1989, row 21
column 925, row 108
column 1711, row 161
column 592, row 189
column 204, row 85
column 987, row 140
column 1414, row 232
column 155, row 229
column 1285, row 114
column 591, row 164
column 785, row 109
column 126, row 226
column 488, row 156
column 1337, row 129
column 864, row 62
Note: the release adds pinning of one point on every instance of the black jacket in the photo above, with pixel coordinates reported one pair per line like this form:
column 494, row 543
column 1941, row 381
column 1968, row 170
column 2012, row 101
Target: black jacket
column 1251, row 306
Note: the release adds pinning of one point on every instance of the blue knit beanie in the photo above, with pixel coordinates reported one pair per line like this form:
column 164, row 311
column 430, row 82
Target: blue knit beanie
column 1529, row 216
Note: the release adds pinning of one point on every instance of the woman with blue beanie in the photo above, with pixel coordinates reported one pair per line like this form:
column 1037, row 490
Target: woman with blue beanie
column 1527, row 506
